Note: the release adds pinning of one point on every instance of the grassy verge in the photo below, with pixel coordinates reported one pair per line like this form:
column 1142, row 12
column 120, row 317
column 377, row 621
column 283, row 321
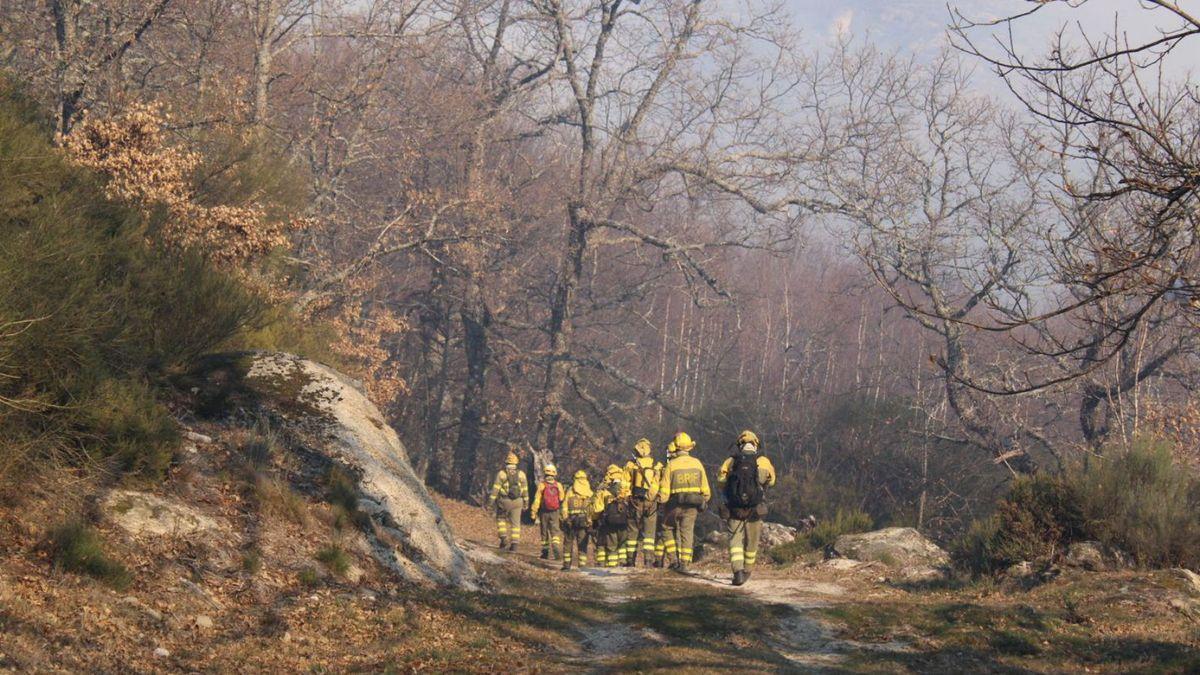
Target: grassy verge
column 1095, row 623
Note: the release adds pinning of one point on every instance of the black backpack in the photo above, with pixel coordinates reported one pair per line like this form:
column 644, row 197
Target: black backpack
column 514, row 483
column 742, row 489
column 615, row 514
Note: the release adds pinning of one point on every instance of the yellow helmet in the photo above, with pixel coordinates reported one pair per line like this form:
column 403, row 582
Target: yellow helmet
column 642, row 448
column 581, row 475
column 613, row 471
column 512, row 459
column 683, row 442
column 670, row 449
column 748, row 436
column 550, row 470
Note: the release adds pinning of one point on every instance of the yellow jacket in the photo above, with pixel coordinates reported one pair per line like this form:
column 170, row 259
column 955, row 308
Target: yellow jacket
column 605, row 496
column 644, row 472
column 577, row 502
column 766, row 472
column 682, row 475
column 500, row 487
column 541, row 488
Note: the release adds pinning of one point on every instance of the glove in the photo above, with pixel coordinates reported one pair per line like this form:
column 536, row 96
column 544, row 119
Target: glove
column 534, row 518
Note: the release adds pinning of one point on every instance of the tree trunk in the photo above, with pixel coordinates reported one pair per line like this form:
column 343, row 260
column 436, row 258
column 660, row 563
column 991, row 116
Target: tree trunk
column 263, row 57
column 475, row 320
column 561, row 330
column 70, row 85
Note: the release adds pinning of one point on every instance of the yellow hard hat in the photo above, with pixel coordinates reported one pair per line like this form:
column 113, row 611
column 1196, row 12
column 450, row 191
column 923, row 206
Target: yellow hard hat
column 642, row 448
column 613, row 471
column 512, row 458
column 683, row 442
column 748, row 436
column 581, row 475
column 550, row 470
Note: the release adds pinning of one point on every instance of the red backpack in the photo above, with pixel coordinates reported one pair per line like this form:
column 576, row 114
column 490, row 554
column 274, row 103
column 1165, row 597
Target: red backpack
column 551, row 499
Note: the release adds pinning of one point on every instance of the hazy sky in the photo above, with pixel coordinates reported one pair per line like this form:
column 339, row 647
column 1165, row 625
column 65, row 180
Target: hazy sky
column 921, row 24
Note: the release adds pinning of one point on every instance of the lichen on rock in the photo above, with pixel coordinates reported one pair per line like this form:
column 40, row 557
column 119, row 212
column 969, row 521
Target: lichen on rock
column 407, row 531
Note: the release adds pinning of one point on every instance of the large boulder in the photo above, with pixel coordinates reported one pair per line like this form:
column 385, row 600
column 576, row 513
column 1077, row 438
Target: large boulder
column 1095, row 557
column 776, row 534
column 901, row 547
column 408, row 532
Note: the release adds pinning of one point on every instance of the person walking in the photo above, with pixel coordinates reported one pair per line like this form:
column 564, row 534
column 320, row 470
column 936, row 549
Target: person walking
column 685, row 491
column 664, row 540
column 743, row 480
column 547, row 512
column 641, row 474
column 612, row 518
column 509, row 497
column 577, row 520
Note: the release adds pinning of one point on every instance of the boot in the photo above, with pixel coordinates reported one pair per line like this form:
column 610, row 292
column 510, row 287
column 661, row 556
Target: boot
column 659, row 563
column 545, row 554
column 512, row 546
column 739, row 578
column 566, row 567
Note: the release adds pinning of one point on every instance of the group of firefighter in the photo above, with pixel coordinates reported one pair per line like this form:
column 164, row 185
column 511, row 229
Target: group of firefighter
column 649, row 505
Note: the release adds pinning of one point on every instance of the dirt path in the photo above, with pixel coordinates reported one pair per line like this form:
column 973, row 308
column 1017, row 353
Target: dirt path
column 641, row 612
column 801, row 636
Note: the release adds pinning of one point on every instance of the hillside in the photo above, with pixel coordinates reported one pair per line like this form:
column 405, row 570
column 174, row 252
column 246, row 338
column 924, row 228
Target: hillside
column 258, row 551
column 284, row 583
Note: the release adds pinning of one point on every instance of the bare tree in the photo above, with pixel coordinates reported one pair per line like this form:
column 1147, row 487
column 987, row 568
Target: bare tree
column 1125, row 135
column 668, row 103
column 943, row 195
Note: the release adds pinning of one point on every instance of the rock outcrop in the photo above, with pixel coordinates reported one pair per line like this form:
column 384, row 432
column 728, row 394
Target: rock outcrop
column 139, row 513
column 1095, row 557
column 901, row 547
column 407, row 530
column 776, row 534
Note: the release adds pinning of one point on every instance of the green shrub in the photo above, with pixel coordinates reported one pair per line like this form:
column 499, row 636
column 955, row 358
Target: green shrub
column 1142, row 502
column 259, row 445
column 277, row 499
column 334, row 558
column 342, row 494
column 844, row 522
column 126, row 421
column 309, row 576
column 78, row 548
column 823, row 535
column 977, row 550
column 103, row 315
column 252, row 562
column 1039, row 517
column 1138, row 500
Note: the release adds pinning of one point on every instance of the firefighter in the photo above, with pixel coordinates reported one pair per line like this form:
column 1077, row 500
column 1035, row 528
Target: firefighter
column 547, row 512
column 509, row 497
column 577, row 520
column 641, row 474
column 743, row 480
column 664, row 542
column 684, row 489
column 610, row 509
